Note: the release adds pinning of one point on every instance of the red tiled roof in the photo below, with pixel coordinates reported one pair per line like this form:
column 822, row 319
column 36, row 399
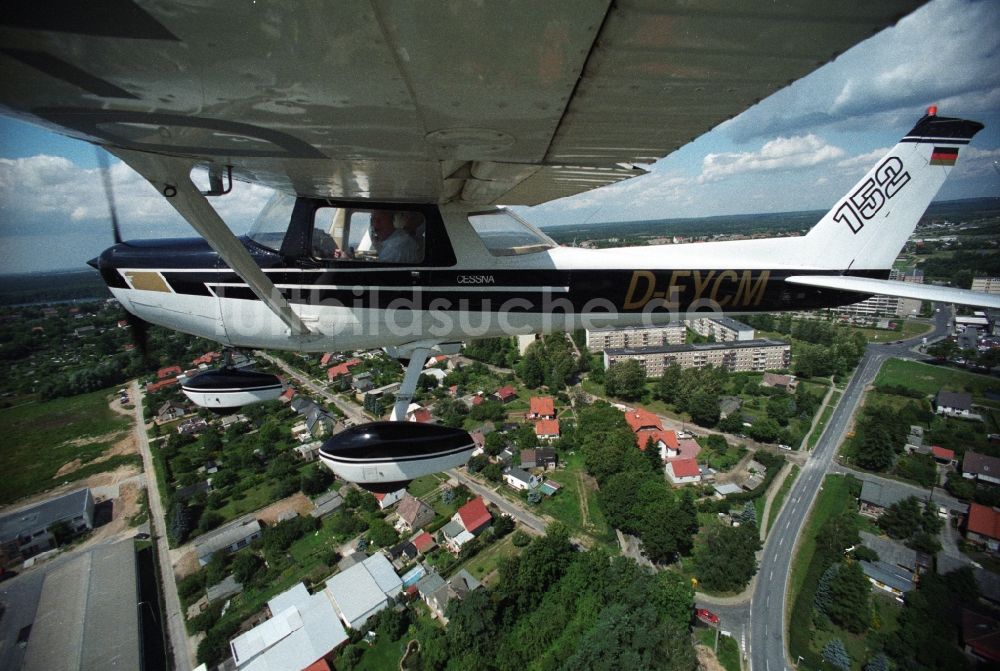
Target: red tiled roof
column 542, row 405
column 207, row 357
column 422, row 415
column 334, row 372
column 639, row 418
column 164, row 373
column 319, row 665
column 474, row 514
column 942, row 453
column 984, row 521
column 423, row 542
column 547, row 427
column 326, row 359
column 982, row 634
column 477, row 399
column 685, row 468
column 378, row 495
column 669, row 438
column 154, row 387
column 506, row 391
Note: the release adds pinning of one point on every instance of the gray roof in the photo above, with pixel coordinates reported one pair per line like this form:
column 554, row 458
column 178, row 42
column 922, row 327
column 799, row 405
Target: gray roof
column 463, row 582
column 957, row 400
column 887, row 575
column 429, row 584
column 224, row 589
column 226, row 536
column 889, row 551
column 697, row 347
column 452, row 529
column 883, row 494
column 730, row 323
column 87, row 616
column 351, row 559
column 42, row 515
column 981, row 464
column 519, row 474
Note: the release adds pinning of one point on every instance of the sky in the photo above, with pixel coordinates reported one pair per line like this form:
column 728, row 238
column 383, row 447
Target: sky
column 800, row 149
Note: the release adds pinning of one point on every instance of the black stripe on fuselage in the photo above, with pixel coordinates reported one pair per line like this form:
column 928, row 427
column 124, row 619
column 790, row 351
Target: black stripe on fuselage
column 544, row 291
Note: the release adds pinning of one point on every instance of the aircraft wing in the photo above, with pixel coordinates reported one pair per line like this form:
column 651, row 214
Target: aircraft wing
column 516, row 102
column 925, row 292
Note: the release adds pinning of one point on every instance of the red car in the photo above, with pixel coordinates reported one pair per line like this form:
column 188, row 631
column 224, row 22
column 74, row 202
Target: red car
column 706, row 616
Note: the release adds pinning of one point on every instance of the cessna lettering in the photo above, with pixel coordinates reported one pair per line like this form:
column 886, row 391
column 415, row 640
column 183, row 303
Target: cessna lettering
column 726, row 288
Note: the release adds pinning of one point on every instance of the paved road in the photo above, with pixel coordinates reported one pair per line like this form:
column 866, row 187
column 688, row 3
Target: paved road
column 179, row 643
column 765, row 618
column 353, row 412
column 518, row 513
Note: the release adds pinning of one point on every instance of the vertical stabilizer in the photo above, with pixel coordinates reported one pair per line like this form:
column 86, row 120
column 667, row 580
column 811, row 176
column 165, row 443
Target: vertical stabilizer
column 868, row 227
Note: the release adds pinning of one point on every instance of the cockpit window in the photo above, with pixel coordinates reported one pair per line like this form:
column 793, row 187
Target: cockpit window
column 374, row 235
column 506, row 234
column 271, row 224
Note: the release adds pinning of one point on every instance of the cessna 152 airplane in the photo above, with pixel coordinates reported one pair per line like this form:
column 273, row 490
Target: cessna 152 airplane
column 392, row 130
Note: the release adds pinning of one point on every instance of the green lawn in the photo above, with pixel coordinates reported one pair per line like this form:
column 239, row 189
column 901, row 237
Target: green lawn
column 729, row 651
column 910, row 329
column 565, row 505
column 487, row 561
column 425, row 484
column 779, row 498
column 929, row 379
column 39, row 440
column 824, row 418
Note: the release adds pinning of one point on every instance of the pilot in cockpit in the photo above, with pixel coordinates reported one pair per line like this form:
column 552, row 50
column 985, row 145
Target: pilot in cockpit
column 394, row 245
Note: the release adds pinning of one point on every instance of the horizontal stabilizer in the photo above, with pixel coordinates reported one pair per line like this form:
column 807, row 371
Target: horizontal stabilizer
column 924, row 292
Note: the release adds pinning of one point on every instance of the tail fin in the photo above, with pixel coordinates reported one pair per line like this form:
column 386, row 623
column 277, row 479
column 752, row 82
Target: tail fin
column 868, row 227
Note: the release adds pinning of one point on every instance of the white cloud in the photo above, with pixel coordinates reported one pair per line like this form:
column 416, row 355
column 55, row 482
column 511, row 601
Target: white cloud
column 783, row 153
column 863, row 162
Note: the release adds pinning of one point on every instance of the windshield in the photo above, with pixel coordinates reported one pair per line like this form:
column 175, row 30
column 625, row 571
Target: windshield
column 271, row 224
column 506, row 234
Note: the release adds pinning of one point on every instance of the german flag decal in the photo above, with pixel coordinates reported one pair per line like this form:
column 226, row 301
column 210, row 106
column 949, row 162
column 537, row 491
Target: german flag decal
column 944, row 155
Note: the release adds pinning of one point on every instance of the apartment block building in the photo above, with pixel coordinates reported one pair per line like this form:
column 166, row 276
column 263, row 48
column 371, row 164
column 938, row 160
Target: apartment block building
column 739, row 356
column 602, row 339
column 722, row 329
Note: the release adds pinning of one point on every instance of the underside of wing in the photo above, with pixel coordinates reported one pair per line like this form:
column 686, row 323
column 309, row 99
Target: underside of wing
column 516, row 102
column 925, row 292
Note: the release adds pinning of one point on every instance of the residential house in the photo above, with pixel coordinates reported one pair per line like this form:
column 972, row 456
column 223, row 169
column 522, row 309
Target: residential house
column 980, row 636
column 505, row 394
column 192, row 490
column 547, row 429
column 683, row 471
column 479, row 439
column 413, row 513
column 438, row 593
column 474, row 516
column 326, row 504
column 435, row 373
column 954, row 404
column 309, row 451
column 27, row 531
column 287, row 395
column 225, row 589
column 154, row 387
column 386, row 499
column 454, row 536
column 363, row 589
column 915, row 441
column 542, row 407
column 520, row 479
column 981, row 468
column 942, row 455
column 877, row 496
column 206, row 359
column 362, row 383
column 982, row 526
column 192, row 426
column 424, row 542
column 229, row 538
column 84, row 331
column 326, row 358
column 785, row 382
column 168, row 372
column 341, row 370
column 421, row 415
column 170, row 410
column 402, row 553
column 542, row 457
column 896, row 554
column 888, row 578
column 302, row 633
column 641, row 419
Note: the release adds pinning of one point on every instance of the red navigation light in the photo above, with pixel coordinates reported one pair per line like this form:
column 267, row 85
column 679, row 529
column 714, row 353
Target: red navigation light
column 932, row 110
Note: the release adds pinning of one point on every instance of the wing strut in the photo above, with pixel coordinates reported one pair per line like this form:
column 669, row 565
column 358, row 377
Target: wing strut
column 171, row 176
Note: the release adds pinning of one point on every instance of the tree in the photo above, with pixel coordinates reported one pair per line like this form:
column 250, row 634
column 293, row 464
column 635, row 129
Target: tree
column 625, row 379
column 879, row 663
column 902, row 519
column 381, row 533
column 703, row 406
column 850, row 602
column 493, row 472
column 246, row 567
column 673, row 596
column 725, row 557
column 836, row 655
column 61, row 531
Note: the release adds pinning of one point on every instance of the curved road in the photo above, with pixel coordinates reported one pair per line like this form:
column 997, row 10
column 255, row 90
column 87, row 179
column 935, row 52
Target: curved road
column 761, row 627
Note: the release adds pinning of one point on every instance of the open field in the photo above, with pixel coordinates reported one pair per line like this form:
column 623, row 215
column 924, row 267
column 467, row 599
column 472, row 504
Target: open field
column 40, row 438
column 931, row 379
